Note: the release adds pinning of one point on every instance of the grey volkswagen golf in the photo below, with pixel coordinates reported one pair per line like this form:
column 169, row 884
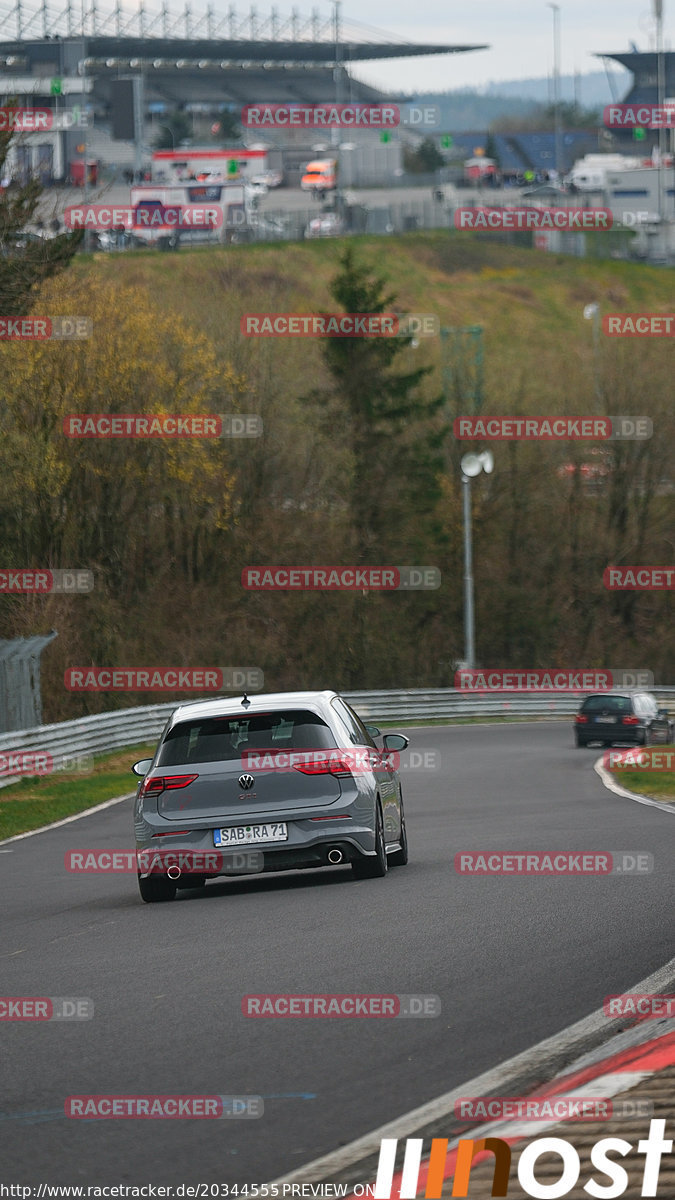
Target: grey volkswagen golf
column 267, row 783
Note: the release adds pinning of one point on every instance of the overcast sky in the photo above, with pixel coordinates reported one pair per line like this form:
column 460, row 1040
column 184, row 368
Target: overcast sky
column 519, row 32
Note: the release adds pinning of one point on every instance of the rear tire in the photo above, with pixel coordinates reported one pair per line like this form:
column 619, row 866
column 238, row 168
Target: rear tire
column 156, row 888
column 400, row 857
column 374, row 867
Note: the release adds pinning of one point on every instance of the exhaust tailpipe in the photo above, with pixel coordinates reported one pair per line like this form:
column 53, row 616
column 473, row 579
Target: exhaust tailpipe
column 174, row 872
column 335, row 856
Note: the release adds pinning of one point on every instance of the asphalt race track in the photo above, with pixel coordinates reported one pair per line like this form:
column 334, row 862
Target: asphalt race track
column 513, row 959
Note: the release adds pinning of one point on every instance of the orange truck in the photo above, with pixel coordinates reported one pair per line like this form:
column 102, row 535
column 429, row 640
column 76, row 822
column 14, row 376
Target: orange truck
column 320, row 175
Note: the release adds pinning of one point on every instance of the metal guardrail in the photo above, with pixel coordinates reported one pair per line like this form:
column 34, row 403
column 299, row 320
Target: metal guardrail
column 105, row 732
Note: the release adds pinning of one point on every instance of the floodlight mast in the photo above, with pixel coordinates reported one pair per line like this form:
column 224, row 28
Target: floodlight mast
column 469, row 651
column 471, row 465
column 556, row 91
column 661, row 97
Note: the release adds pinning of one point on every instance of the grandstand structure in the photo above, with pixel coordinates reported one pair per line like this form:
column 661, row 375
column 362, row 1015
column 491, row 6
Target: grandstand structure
column 644, row 67
column 530, row 151
column 200, row 61
column 518, row 152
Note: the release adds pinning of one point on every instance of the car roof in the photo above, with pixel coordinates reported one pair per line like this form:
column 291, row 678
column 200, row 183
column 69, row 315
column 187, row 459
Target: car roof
column 627, row 692
column 259, row 702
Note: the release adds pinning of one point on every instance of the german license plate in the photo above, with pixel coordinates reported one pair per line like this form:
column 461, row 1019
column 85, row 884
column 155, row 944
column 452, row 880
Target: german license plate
column 606, row 720
column 247, row 835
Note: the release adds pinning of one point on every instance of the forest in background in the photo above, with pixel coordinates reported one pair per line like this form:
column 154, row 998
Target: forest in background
column 357, row 465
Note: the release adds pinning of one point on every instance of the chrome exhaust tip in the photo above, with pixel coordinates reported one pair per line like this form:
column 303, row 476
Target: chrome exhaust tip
column 174, row 872
column 335, row 856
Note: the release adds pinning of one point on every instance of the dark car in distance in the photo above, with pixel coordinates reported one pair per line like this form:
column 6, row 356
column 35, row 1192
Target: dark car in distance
column 629, row 716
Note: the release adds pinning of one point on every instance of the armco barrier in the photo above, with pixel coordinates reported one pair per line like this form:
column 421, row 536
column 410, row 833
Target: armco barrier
column 104, row 732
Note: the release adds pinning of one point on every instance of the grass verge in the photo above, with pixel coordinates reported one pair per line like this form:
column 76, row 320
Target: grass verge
column 653, row 774
column 655, row 785
column 35, row 802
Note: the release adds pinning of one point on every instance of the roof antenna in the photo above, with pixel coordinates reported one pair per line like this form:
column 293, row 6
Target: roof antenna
column 245, row 702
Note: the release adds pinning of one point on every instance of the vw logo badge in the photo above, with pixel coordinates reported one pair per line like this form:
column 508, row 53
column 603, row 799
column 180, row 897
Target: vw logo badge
column 246, row 782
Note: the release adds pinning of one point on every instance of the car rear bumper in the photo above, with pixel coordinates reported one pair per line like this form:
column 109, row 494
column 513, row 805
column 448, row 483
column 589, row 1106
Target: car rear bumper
column 632, row 735
column 307, row 846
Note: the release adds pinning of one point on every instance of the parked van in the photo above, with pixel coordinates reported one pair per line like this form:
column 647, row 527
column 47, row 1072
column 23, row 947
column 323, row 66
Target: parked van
column 480, row 170
column 589, row 174
column 230, row 199
column 320, row 176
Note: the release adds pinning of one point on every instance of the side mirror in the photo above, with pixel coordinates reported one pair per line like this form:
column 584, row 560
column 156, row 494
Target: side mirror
column 394, row 741
column 663, row 712
column 372, row 730
column 142, row 767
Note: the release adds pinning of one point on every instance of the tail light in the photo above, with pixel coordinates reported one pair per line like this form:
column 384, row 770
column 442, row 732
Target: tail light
column 164, row 783
column 580, row 719
column 339, row 765
column 630, row 720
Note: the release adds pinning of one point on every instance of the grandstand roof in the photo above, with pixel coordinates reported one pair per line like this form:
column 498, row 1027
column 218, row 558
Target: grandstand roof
column 274, row 52
column 151, row 29
column 638, row 61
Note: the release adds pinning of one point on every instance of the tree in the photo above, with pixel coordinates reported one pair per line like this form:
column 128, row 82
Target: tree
column 176, row 128
column 425, row 159
column 572, row 116
column 115, row 504
column 22, row 269
column 393, row 484
column 387, row 424
column 491, row 148
column 229, row 130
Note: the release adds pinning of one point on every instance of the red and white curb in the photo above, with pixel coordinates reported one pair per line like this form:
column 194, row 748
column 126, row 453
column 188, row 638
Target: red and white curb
column 604, row 1079
column 610, row 783
column 640, row 1047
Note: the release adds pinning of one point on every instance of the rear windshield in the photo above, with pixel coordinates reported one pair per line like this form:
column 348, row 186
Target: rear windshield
column 613, row 704
column 222, row 739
